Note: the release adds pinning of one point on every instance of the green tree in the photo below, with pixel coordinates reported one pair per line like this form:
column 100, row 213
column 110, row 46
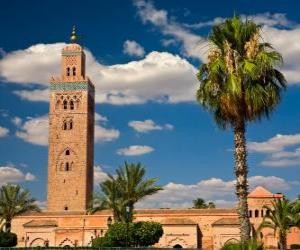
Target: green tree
column 200, row 203
column 239, row 84
column 14, row 201
column 124, row 190
column 147, row 233
column 121, row 234
column 133, row 185
column 8, row 239
column 280, row 218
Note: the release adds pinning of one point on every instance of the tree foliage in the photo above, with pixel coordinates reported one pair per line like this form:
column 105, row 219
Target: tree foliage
column 248, row 245
column 240, row 83
column 283, row 214
column 14, row 201
column 127, row 187
column 139, row 234
column 200, row 203
column 8, row 239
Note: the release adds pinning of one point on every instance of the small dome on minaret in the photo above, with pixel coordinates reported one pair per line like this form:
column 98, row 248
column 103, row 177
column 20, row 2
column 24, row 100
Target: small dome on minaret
column 73, row 37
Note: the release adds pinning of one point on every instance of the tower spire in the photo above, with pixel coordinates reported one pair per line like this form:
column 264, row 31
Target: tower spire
column 73, row 37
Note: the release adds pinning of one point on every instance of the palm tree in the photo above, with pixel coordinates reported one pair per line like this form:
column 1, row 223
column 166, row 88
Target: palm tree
column 280, row 218
column 199, row 203
column 128, row 187
column 14, row 201
column 133, row 185
column 240, row 84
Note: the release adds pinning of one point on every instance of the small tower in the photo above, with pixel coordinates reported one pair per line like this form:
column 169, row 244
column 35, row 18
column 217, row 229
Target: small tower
column 71, row 133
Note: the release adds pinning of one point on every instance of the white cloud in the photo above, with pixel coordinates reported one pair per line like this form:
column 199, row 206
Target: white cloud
column 132, row 48
column 41, row 204
column 276, row 150
column 99, row 175
column 105, row 135
column 3, row 131
column 35, row 130
column 217, row 190
column 193, row 45
column 160, row 76
column 147, row 126
column 135, row 150
column 37, row 95
column 274, row 144
column 17, row 121
column 10, row 174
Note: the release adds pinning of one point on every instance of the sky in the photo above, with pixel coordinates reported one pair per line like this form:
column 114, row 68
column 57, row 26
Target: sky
column 143, row 57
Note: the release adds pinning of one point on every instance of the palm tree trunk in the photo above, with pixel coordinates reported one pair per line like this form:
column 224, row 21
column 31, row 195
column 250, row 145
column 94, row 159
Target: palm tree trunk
column 8, row 225
column 282, row 241
column 241, row 172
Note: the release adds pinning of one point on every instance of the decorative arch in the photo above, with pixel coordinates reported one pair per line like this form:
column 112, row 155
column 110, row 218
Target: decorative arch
column 37, row 242
column 67, row 242
column 231, row 240
column 177, row 242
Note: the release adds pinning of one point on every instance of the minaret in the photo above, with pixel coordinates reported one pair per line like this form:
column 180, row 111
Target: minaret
column 71, row 133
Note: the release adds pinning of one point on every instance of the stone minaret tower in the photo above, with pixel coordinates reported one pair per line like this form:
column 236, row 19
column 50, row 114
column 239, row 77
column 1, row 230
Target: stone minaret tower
column 71, row 133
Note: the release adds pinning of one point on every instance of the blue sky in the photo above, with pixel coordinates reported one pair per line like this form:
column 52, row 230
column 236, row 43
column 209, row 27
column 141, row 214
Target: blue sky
column 142, row 57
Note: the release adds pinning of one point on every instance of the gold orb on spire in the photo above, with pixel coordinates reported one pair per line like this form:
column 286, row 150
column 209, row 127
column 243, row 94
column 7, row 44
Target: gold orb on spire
column 74, row 37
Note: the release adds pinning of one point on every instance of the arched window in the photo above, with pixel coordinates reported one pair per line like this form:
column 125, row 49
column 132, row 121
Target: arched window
column 70, row 125
column 65, row 126
column 256, row 213
column 268, row 212
column 66, row 208
column 74, row 71
column 67, row 152
column 262, row 213
column 250, row 213
column 71, row 105
column 68, row 71
column 65, row 104
column 67, row 166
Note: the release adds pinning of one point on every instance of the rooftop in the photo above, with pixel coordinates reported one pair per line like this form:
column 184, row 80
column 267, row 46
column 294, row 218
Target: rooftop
column 260, row 192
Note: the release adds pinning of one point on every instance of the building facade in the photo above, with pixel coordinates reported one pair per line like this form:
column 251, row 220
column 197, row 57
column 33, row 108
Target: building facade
column 70, row 182
column 71, row 134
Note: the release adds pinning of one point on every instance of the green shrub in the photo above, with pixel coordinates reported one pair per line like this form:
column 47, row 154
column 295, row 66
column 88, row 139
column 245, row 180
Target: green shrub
column 121, row 234
column 249, row 245
column 101, row 242
column 295, row 246
column 8, row 239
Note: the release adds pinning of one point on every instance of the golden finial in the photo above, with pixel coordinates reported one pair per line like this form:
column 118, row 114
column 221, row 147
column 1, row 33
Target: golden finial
column 74, row 37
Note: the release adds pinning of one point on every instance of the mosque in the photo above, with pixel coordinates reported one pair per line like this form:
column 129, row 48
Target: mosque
column 65, row 222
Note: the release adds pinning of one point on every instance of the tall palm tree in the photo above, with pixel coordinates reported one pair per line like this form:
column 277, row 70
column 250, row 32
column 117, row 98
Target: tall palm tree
column 133, row 185
column 14, row 201
column 280, row 219
column 124, row 190
column 239, row 84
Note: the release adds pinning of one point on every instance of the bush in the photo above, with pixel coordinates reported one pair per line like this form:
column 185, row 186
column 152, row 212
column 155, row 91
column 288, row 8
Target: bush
column 121, row 234
column 147, row 233
column 8, row 239
column 295, row 246
column 249, row 245
column 101, row 242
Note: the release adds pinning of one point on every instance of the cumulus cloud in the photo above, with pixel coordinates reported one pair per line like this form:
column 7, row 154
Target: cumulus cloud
column 17, row 121
column 135, row 150
column 3, row 131
column 148, row 125
column 99, row 175
column 276, row 150
column 160, row 76
column 35, row 130
column 132, row 48
column 11, row 174
column 105, row 135
column 217, row 190
column 193, row 45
